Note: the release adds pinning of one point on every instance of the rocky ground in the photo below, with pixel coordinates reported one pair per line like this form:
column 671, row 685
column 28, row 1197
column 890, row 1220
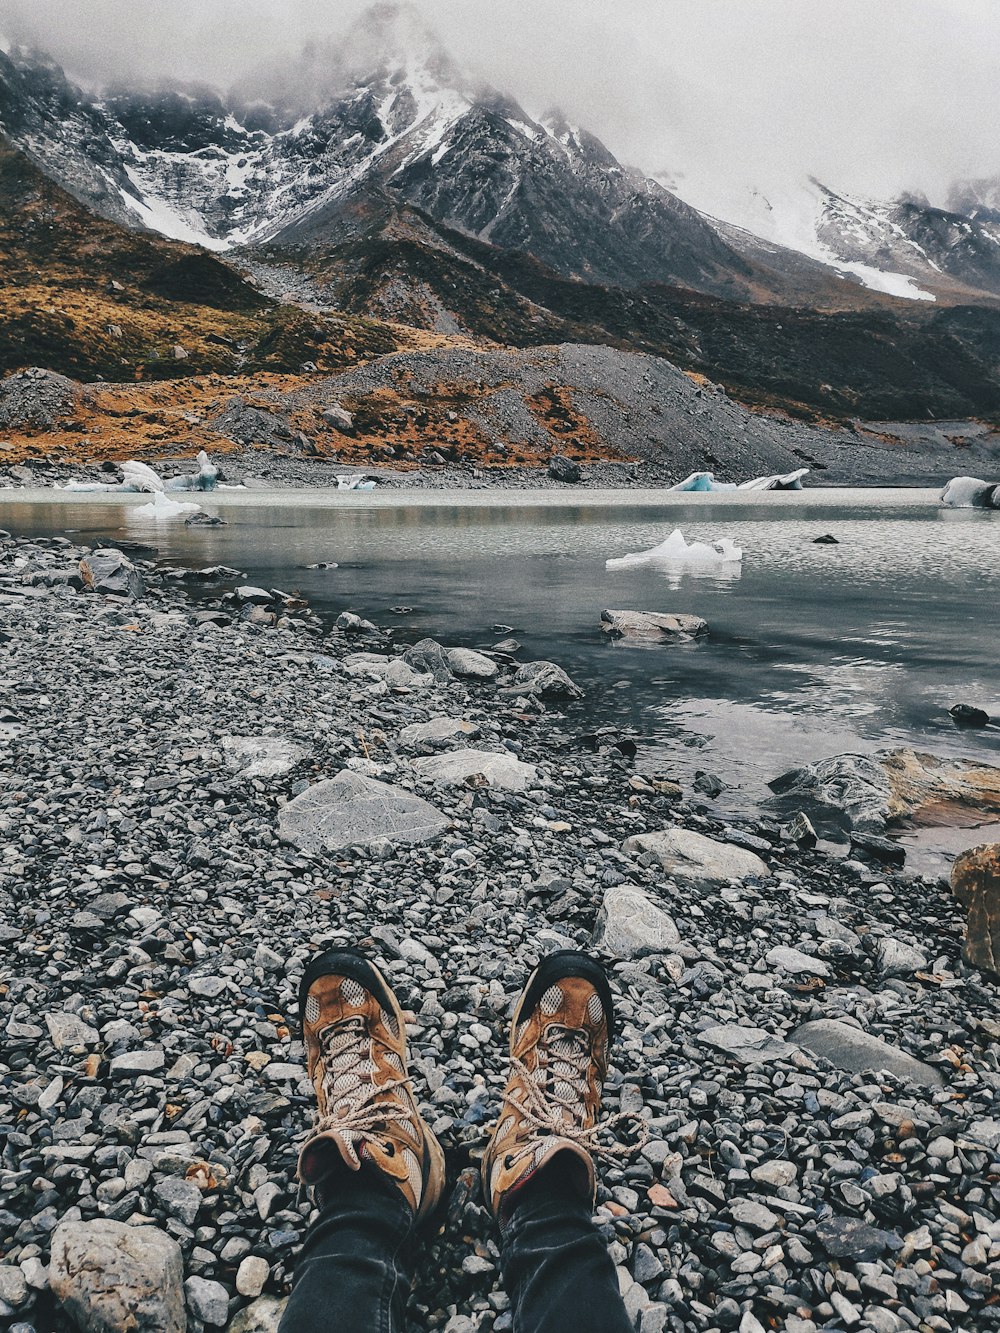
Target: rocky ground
column 176, row 845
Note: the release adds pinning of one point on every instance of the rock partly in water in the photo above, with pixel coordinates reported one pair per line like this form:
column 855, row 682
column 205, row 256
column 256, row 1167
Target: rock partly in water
column 690, row 856
column 110, row 1277
column 653, row 626
column 498, row 770
column 261, row 756
column 630, row 925
column 966, row 715
column 849, row 1048
column 975, row 882
column 352, row 810
column 546, row 679
column 467, row 663
column 873, row 791
column 111, row 573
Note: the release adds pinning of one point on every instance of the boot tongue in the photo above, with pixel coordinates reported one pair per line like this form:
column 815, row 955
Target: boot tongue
column 323, row 1155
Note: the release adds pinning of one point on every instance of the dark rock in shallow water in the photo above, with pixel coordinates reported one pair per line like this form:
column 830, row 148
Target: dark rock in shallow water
column 966, row 715
column 827, row 540
column 975, row 882
column 545, row 678
column 879, row 849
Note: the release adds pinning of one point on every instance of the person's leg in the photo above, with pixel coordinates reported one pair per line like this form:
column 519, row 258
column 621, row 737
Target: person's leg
column 556, row 1267
column 356, row 1266
column 538, row 1171
column 376, row 1168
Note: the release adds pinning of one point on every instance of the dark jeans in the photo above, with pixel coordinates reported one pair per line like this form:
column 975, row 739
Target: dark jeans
column 356, row 1266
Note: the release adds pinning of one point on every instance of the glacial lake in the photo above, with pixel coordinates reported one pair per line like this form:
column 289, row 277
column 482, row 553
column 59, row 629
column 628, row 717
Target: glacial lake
column 813, row 650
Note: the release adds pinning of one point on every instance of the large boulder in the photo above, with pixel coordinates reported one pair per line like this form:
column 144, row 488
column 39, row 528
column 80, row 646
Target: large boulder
column 873, row 791
column 855, row 1051
column 499, row 770
column 564, row 469
column 353, row 810
column 395, row 671
column 975, row 882
column 110, row 572
column 546, row 679
column 110, row 1277
column 689, row 856
column 427, row 656
column 630, row 925
column 339, row 418
column 653, row 626
column 466, row 662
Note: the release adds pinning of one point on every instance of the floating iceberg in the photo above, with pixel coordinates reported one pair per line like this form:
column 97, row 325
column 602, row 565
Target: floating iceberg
column 675, row 550
column 971, row 493
column 705, row 481
column 163, row 507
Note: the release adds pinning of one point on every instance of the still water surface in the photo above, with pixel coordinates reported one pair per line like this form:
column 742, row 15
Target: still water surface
column 813, row 649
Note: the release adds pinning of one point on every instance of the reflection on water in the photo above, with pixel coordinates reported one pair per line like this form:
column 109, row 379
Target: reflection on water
column 815, row 649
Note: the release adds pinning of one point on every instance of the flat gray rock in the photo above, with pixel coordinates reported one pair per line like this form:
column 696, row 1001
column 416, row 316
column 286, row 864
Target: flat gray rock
column 629, row 925
column 261, row 756
column 686, row 855
column 467, row 662
column 260, row 1316
column 795, row 963
column 898, row 959
column 653, row 626
column 749, row 1045
column 849, row 1048
column 68, row 1030
column 109, row 1277
column 458, row 766
column 352, row 810
column 438, row 729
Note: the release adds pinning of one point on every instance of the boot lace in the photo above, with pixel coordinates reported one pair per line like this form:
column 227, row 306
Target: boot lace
column 350, row 1088
column 566, row 1058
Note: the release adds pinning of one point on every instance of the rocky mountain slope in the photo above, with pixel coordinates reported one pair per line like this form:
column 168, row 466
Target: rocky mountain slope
column 398, row 122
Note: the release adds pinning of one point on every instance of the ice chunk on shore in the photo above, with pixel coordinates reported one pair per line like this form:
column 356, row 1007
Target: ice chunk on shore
column 971, row 493
column 675, row 550
column 353, row 481
column 137, row 479
column 205, row 479
column 705, row 481
column 785, row 481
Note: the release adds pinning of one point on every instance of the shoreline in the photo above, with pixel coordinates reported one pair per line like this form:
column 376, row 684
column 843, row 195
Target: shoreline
column 156, row 920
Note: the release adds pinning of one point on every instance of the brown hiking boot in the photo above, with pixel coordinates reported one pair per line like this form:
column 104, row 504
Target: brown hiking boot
column 355, row 1042
column 560, row 1033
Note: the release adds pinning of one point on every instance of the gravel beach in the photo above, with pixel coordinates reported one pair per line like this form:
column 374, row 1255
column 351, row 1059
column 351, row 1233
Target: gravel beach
column 200, row 793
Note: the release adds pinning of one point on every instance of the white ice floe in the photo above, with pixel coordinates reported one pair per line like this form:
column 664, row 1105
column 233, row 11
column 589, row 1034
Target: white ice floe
column 971, row 493
column 353, row 481
column 675, row 550
column 705, row 481
column 163, row 507
column 139, row 478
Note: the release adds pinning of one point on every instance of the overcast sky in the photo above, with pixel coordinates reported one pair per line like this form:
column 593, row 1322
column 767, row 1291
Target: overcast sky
column 875, row 96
